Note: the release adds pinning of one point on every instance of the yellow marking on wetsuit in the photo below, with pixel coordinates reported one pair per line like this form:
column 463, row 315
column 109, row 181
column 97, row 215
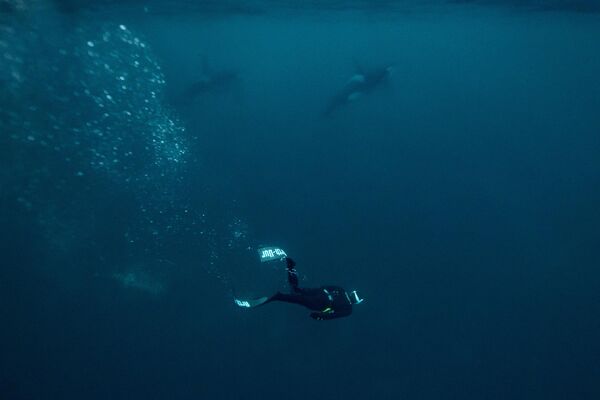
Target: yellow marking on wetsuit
column 328, row 310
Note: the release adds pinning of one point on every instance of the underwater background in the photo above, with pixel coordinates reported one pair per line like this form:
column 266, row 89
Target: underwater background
column 147, row 149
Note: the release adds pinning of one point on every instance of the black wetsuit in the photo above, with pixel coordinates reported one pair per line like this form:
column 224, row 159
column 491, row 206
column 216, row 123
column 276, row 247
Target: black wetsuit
column 327, row 302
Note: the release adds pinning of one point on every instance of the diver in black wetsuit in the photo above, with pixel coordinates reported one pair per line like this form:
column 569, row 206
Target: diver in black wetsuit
column 326, row 302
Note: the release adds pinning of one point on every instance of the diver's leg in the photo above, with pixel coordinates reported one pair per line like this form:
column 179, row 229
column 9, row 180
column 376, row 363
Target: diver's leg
column 292, row 274
column 288, row 298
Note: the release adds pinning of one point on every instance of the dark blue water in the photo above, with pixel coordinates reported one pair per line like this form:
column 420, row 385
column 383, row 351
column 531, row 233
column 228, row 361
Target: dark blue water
column 147, row 150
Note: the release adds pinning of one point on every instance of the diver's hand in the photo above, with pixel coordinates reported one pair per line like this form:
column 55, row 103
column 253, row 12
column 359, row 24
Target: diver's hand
column 317, row 316
column 321, row 316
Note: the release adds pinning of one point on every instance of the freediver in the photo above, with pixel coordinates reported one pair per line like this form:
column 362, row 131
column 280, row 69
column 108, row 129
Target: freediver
column 326, row 302
column 210, row 81
column 358, row 85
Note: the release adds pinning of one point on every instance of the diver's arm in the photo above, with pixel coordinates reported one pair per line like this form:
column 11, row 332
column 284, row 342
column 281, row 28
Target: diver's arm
column 322, row 316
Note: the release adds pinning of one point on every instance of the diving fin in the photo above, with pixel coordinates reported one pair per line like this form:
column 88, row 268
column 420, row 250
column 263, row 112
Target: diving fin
column 252, row 302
